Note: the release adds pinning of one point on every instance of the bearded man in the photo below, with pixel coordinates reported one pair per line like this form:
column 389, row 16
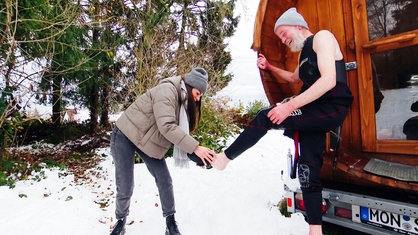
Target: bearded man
column 321, row 106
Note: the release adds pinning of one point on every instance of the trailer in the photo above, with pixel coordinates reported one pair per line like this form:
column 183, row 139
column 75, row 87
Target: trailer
column 361, row 212
column 370, row 168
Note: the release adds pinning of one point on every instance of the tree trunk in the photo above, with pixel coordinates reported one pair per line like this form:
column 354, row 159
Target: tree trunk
column 93, row 103
column 104, row 117
column 56, row 100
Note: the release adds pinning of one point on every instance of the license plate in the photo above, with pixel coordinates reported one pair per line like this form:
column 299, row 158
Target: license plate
column 402, row 224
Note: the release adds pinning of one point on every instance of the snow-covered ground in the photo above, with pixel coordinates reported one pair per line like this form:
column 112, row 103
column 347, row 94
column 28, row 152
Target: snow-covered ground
column 240, row 200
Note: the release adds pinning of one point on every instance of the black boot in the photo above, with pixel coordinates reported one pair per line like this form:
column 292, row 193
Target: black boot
column 119, row 227
column 172, row 228
column 199, row 161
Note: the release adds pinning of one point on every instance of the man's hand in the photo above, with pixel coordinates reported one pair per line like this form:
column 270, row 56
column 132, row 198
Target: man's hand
column 279, row 113
column 263, row 63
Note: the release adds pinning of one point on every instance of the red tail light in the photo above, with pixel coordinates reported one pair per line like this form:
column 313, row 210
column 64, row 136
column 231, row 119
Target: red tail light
column 300, row 204
column 324, row 206
column 289, row 202
column 343, row 212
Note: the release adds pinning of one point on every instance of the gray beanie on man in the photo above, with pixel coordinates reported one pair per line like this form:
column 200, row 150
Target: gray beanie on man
column 197, row 78
column 291, row 17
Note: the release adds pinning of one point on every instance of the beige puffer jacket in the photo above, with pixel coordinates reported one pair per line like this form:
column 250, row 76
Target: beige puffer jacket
column 151, row 121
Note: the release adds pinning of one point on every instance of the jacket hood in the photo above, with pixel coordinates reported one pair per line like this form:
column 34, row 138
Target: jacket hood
column 176, row 81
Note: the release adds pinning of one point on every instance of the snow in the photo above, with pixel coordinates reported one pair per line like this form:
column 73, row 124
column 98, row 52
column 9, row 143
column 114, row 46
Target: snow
column 242, row 199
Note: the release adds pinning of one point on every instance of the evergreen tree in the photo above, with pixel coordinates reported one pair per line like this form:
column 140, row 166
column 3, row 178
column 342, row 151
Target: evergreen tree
column 63, row 53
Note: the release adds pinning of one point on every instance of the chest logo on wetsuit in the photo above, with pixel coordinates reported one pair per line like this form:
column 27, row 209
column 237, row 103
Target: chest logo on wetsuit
column 302, row 62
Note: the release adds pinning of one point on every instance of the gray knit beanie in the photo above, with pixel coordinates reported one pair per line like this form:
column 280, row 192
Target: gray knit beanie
column 291, row 17
column 197, row 78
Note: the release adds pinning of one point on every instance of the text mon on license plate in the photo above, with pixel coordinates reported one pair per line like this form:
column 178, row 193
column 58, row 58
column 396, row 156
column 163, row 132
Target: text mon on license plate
column 402, row 224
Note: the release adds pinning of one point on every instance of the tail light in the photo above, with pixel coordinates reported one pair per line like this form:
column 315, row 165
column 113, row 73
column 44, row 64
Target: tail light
column 343, row 212
column 289, row 202
column 300, row 204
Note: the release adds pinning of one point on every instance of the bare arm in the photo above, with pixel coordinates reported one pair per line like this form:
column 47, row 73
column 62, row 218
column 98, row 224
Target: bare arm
column 263, row 63
column 327, row 49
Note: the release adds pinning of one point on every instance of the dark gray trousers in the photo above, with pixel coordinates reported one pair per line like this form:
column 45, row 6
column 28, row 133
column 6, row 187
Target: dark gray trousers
column 123, row 153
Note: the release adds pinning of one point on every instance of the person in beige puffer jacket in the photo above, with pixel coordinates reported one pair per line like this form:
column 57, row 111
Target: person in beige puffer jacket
column 149, row 127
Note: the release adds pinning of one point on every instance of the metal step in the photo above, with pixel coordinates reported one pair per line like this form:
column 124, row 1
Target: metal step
column 392, row 170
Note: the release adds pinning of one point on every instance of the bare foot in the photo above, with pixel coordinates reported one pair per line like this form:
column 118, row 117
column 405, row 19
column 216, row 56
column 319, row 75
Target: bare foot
column 315, row 229
column 220, row 161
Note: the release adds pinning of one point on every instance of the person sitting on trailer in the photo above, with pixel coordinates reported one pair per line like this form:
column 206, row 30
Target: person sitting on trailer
column 321, row 106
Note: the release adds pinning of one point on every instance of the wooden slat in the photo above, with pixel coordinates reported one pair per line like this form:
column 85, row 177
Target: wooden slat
column 275, row 51
column 324, row 15
column 398, row 146
column 390, row 40
column 368, row 125
column 351, row 126
column 259, row 19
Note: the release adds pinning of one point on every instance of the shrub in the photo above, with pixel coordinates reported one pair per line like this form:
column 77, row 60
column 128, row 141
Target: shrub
column 254, row 107
column 216, row 124
column 35, row 130
column 10, row 118
column 219, row 121
column 6, row 180
column 243, row 116
column 283, row 207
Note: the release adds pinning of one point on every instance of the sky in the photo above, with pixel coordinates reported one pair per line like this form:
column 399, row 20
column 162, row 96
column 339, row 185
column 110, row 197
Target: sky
column 246, row 84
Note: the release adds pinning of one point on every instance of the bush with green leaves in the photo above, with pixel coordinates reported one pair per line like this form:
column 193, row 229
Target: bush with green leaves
column 243, row 115
column 216, row 124
column 283, row 207
column 220, row 121
column 253, row 108
column 34, row 130
column 10, row 118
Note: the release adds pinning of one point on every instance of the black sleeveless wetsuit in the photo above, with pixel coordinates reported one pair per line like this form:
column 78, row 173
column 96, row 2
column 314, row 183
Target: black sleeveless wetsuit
column 309, row 73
